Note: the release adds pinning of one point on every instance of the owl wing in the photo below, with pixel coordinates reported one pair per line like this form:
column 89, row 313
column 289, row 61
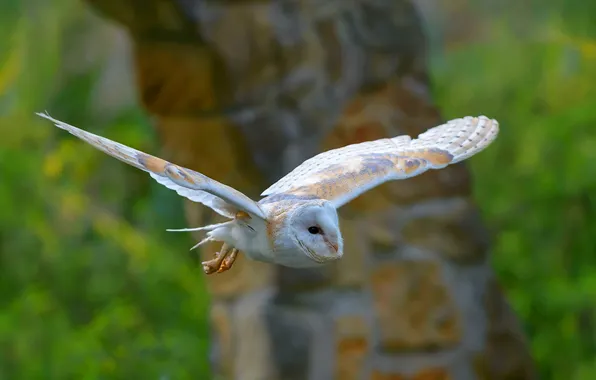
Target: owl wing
column 188, row 183
column 342, row 174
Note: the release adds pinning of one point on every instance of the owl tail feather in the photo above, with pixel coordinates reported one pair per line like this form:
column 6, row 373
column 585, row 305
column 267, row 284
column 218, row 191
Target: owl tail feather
column 207, row 239
column 210, row 228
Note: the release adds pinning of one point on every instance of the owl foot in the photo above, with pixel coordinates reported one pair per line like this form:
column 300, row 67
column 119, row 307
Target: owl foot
column 228, row 261
column 223, row 260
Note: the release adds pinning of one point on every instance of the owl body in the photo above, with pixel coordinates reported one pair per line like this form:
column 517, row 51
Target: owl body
column 296, row 223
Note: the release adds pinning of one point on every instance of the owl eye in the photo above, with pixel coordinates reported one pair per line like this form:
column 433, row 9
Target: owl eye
column 314, row 230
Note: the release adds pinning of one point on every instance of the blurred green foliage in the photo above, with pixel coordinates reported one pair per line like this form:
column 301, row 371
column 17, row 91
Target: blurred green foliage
column 537, row 186
column 92, row 287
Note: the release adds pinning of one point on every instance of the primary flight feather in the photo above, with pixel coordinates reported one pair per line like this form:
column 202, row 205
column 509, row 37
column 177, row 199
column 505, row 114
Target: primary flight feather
column 296, row 223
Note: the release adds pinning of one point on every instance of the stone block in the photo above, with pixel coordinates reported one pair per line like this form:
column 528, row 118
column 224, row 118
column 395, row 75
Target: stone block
column 352, row 336
column 414, row 308
column 458, row 235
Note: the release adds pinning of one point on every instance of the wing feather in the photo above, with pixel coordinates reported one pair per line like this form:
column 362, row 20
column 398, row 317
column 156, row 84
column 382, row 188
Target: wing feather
column 186, row 182
column 340, row 175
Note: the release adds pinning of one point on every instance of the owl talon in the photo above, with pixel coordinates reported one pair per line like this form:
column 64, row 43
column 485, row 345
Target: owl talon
column 222, row 261
column 209, row 267
column 228, row 261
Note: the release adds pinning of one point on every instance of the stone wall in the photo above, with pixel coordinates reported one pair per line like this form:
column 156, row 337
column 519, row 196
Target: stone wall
column 243, row 91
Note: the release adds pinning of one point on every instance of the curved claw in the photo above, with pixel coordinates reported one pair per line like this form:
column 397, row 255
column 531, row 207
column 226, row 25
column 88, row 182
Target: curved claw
column 228, row 261
column 223, row 260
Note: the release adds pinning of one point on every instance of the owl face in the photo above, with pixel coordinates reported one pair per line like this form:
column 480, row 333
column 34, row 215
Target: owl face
column 315, row 231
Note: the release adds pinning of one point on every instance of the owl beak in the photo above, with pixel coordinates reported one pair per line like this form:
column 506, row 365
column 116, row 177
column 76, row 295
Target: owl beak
column 333, row 246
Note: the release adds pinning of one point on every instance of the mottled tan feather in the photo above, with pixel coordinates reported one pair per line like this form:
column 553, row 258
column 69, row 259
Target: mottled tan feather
column 341, row 175
column 186, row 182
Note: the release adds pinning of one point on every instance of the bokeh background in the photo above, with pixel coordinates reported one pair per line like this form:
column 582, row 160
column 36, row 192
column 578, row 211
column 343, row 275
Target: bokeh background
column 91, row 286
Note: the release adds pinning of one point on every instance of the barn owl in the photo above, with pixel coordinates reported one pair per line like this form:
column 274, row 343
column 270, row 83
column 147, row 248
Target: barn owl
column 296, row 224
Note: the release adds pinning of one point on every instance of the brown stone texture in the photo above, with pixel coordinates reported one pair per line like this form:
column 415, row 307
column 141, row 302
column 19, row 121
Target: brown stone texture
column 432, row 374
column 243, row 91
column 480, row 367
column 377, row 375
column 414, row 309
column 456, row 235
column 180, row 91
column 425, row 374
column 352, row 346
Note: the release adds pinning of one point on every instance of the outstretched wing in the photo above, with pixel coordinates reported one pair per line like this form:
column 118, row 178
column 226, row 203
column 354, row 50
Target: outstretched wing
column 340, row 175
column 186, row 182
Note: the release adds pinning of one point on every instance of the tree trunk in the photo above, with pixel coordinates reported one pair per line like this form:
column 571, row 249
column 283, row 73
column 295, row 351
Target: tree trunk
column 243, row 91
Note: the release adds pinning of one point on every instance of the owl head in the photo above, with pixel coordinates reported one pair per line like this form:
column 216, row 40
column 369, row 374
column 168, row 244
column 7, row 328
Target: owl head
column 314, row 229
